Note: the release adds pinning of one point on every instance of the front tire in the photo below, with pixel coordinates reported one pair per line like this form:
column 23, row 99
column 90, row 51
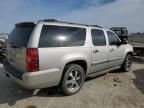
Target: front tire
column 127, row 63
column 72, row 79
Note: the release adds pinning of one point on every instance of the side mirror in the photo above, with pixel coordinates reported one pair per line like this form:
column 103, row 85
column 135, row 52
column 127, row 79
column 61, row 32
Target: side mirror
column 124, row 41
column 119, row 43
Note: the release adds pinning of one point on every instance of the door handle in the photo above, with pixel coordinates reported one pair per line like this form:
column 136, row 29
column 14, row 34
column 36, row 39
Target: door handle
column 111, row 50
column 95, row 51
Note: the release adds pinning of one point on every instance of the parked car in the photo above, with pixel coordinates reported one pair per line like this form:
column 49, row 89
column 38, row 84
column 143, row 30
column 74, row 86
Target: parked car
column 55, row 53
column 3, row 43
column 2, row 54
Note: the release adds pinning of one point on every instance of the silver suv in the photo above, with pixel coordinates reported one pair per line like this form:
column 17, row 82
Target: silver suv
column 54, row 53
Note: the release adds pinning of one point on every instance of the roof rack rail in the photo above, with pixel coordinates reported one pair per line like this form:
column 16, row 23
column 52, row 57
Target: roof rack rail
column 54, row 20
column 50, row 20
column 96, row 26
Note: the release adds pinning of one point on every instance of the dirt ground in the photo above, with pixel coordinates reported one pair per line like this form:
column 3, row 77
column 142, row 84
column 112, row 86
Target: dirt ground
column 113, row 90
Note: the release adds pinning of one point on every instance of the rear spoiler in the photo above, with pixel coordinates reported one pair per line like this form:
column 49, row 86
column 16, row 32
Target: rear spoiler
column 25, row 24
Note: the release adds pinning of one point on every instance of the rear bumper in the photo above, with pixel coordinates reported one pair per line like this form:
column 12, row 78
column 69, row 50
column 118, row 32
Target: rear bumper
column 40, row 79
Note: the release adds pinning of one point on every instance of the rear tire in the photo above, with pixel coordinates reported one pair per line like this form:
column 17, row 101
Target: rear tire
column 72, row 79
column 126, row 66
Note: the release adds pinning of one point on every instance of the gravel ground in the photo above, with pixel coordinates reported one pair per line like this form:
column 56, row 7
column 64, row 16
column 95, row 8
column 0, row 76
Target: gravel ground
column 113, row 90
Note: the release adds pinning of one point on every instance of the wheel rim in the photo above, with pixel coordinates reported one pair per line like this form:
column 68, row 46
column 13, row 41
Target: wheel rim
column 128, row 62
column 74, row 80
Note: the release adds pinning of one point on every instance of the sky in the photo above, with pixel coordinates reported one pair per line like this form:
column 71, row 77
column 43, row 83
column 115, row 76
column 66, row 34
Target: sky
column 106, row 13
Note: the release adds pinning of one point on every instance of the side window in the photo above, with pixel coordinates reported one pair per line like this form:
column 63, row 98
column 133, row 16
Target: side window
column 98, row 37
column 62, row 36
column 113, row 39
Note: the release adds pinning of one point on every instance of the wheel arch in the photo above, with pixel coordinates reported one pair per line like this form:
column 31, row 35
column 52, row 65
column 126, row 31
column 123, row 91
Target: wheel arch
column 82, row 63
column 130, row 52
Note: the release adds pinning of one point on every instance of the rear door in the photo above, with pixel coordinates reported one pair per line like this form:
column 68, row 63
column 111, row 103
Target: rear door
column 59, row 43
column 116, row 51
column 99, row 51
column 17, row 44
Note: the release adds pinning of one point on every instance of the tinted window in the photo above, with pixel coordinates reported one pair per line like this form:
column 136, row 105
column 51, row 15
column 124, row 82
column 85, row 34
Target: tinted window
column 59, row 36
column 113, row 39
column 98, row 37
column 20, row 36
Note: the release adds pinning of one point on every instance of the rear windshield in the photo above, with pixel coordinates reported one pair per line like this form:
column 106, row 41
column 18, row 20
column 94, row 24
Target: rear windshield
column 62, row 36
column 20, row 35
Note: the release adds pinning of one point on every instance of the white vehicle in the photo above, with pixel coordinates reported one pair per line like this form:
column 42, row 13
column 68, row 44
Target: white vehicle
column 51, row 53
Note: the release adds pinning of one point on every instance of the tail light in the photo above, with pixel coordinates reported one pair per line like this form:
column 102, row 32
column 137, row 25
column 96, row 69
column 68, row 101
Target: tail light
column 32, row 59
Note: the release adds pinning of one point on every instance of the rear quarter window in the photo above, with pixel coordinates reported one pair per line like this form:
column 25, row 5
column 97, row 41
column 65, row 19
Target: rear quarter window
column 62, row 36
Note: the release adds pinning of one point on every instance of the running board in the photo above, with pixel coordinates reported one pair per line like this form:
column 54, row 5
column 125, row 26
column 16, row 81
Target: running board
column 103, row 72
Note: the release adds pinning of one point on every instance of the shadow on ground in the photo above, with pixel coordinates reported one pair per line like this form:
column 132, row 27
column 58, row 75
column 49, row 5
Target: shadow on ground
column 10, row 92
column 139, row 79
